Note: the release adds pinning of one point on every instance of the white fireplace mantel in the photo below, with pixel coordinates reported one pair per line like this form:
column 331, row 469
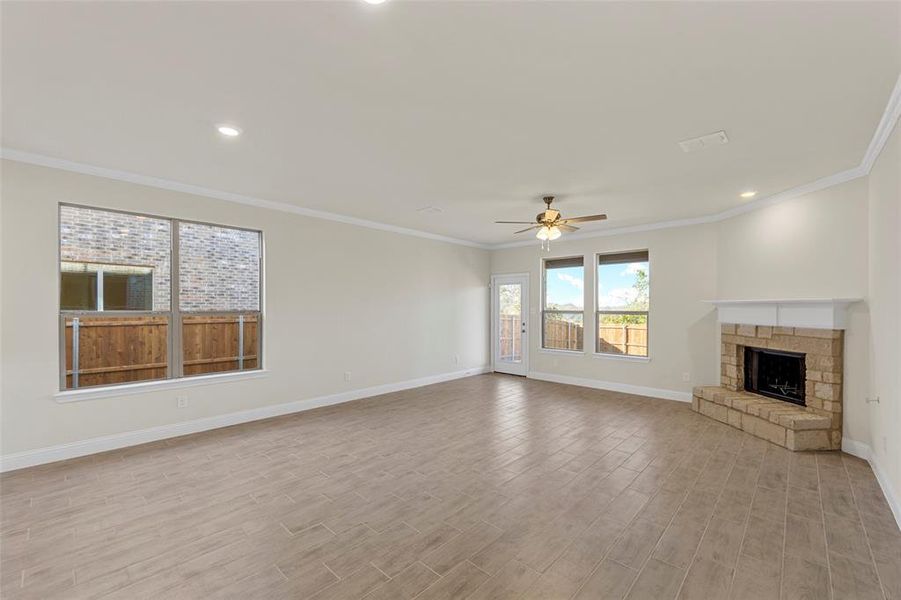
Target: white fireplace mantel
column 819, row 313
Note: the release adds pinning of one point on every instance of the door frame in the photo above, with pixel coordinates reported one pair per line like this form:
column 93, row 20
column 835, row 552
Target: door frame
column 525, row 280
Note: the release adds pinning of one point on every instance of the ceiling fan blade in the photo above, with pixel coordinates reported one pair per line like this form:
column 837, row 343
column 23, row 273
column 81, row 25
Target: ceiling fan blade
column 566, row 227
column 528, row 228
column 586, row 218
column 516, row 222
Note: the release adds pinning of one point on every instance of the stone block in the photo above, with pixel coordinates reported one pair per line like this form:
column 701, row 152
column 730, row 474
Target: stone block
column 832, row 377
column 695, row 404
column 746, row 330
column 784, row 330
column 808, row 440
column 804, row 421
column 728, row 328
column 826, row 391
column 764, row 332
column 771, row 432
column 836, row 436
column 741, row 403
column 827, row 334
column 734, row 417
column 714, row 411
column 825, row 363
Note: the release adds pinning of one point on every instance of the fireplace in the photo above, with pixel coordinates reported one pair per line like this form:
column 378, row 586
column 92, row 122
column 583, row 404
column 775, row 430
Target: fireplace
column 776, row 374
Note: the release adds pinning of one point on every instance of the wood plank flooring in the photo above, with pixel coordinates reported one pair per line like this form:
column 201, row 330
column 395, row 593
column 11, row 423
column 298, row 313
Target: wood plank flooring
column 486, row 487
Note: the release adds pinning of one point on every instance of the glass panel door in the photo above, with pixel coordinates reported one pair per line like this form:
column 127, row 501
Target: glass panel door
column 510, row 324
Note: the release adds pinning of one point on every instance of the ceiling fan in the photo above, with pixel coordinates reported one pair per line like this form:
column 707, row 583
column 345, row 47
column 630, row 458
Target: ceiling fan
column 549, row 223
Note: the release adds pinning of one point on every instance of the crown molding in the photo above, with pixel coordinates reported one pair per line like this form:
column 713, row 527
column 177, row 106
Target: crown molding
column 888, row 122
column 884, row 129
column 175, row 186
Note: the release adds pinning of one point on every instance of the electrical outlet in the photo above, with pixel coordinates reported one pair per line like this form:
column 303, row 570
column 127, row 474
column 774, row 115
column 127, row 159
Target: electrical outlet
column 346, row 375
column 686, row 376
column 181, row 401
column 456, row 359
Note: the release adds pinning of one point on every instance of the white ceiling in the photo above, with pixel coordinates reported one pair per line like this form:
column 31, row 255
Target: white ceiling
column 477, row 108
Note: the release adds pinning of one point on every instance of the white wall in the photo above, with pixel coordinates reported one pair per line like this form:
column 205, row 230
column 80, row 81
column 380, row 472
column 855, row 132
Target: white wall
column 387, row 307
column 885, row 312
column 682, row 328
column 813, row 246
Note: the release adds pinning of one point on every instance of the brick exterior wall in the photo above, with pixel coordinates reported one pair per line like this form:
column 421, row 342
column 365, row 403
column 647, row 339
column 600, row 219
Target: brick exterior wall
column 220, row 267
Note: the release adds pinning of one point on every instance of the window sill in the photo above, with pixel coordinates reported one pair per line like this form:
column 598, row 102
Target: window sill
column 565, row 352
column 625, row 357
column 145, row 387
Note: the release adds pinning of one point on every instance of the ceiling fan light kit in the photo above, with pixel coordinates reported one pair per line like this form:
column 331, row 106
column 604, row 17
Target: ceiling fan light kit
column 550, row 225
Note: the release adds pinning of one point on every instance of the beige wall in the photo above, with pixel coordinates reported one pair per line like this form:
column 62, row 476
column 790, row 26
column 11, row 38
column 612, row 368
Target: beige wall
column 813, row 246
column 386, row 307
column 885, row 311
column 682, row 328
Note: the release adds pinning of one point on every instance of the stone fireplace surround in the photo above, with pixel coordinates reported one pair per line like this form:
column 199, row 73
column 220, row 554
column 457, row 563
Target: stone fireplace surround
column 816, row 426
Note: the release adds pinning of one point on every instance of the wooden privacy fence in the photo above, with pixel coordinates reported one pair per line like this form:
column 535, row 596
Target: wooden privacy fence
column 623, row 339
column 613, row 339
column 563, row 335
column 109, row 350
column 510, row 338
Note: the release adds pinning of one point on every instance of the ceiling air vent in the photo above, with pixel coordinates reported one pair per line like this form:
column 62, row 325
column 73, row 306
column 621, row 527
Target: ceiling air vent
column 705, row 141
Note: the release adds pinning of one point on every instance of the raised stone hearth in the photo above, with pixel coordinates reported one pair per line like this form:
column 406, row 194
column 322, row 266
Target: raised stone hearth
column 814, row 426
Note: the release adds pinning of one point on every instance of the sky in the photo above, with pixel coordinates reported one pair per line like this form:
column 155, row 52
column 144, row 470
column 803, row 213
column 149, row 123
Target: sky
column 564, row 286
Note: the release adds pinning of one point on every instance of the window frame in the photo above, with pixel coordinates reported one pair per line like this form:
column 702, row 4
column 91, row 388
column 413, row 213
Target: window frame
column 174, row 315
column 598, row 312
column 545, row 310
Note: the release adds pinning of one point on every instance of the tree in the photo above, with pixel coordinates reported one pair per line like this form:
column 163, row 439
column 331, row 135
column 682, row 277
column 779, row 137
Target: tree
column 639, row 302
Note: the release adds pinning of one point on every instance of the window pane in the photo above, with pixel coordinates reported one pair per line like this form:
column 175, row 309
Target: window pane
column 563, row 331
column 623, row 334
column 564, row 287
column 623, row 286
column 112, row 349
column 127, row 288
column 510, row 326
column 91, row 240
column 78, row 290
column 219, row 268
column 214, row 344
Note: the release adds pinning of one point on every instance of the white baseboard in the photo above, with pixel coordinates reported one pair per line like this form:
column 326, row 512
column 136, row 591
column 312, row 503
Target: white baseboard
column 863, row 451
column 612, row 386
column 30, row 458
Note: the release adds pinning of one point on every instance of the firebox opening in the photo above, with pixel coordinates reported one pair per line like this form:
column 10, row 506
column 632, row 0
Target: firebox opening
column 776, row 374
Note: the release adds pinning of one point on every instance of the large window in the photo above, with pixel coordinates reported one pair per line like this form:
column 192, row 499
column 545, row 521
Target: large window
column 563, row 310
column 623, row 292
column 145, row 298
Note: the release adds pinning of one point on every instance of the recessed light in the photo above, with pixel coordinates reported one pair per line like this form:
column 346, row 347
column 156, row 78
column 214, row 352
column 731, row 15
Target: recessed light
column 749, row 194
column 374, row 1
column 229, row 130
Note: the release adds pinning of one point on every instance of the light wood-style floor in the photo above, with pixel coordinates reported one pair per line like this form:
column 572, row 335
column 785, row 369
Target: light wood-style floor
column 486, row 487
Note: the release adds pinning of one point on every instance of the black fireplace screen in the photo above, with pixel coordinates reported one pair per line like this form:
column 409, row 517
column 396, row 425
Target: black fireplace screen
column 775, row 374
